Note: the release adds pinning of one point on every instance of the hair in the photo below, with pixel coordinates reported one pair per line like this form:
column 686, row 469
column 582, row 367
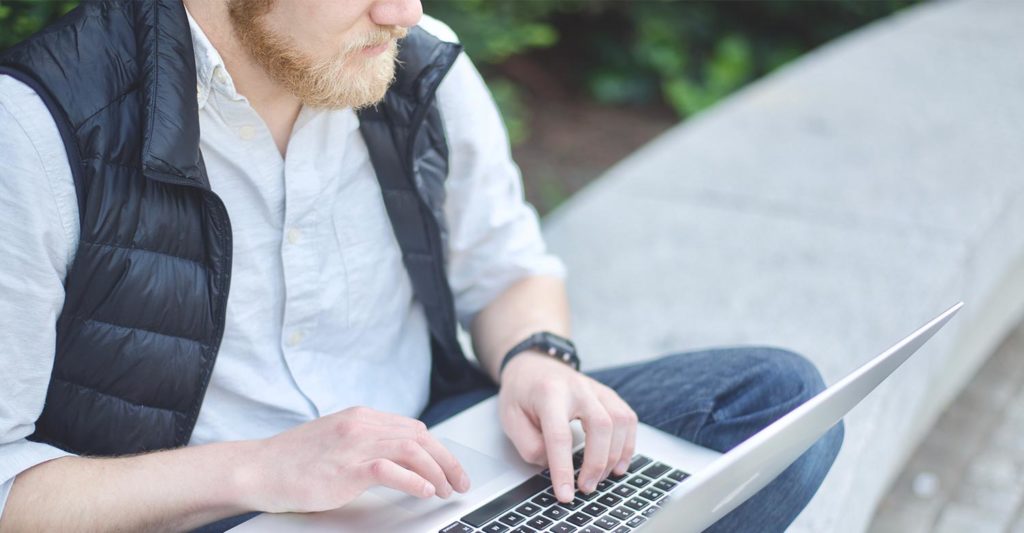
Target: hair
column 339, row 80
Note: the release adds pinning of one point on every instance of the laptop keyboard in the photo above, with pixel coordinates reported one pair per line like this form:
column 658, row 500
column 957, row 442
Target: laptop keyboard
column 619, row 504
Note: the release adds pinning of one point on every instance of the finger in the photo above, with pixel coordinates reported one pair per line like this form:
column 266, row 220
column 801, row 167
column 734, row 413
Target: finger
column 387, row 473
column 411, row 455
column 525, row 436
column 597, row 424
column 554, row 424
column 620, row 428
column 628, row 447
column 454, row 474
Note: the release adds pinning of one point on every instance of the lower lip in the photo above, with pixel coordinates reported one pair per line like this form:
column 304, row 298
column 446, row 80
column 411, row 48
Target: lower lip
column 375, row 50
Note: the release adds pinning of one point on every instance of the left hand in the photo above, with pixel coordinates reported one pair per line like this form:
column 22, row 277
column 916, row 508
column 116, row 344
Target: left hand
column 538, row 398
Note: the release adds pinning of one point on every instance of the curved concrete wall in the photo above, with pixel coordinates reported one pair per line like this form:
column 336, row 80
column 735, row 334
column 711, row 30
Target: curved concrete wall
column 830, row 208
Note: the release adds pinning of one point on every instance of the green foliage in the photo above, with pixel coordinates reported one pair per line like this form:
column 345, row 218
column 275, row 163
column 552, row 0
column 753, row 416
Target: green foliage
column 25, row 17
column 685, row 54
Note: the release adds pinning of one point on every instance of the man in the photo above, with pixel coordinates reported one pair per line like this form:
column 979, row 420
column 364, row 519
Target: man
column 250, row 228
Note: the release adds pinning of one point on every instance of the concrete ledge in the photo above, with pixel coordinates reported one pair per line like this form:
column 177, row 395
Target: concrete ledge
column 830, row 209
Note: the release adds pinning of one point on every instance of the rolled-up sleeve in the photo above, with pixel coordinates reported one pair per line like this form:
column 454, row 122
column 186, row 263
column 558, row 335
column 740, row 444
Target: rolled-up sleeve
column 494, row 233
column 38, row 233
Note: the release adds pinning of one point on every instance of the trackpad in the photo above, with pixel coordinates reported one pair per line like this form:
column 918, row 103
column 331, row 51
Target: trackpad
column 482, row 469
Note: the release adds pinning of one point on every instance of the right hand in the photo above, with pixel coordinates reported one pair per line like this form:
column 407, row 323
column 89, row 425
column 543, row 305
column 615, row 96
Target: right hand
column 326, row 463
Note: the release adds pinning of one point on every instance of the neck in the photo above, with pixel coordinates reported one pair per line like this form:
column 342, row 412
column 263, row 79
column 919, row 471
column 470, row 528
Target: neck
column 276, row 106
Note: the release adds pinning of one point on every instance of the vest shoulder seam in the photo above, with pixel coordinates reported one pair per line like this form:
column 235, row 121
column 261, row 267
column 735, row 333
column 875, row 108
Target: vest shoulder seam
column 146, row 250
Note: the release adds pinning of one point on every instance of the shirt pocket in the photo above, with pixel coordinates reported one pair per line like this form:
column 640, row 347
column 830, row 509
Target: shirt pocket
column 378, row 289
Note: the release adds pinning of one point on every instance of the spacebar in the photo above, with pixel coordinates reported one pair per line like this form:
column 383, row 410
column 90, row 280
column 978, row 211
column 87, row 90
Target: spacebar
column 515, row 496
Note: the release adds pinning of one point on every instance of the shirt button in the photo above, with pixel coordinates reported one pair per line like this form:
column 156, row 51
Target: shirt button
column 295, row 338
column 220, row 75
column 294, row 235
column 247, row 132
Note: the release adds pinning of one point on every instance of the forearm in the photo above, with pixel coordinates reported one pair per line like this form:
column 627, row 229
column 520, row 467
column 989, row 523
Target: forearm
column 536, row 303
column 172, row 490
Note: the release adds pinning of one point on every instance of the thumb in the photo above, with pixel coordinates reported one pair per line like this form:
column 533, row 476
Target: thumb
column 525, row 436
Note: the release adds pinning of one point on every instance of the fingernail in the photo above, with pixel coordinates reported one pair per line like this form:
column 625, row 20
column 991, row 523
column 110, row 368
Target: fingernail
column 589, row 485
column 464, row 482
column 622, row 466
column 447, row 491
column 428, row 490
column 565, row 492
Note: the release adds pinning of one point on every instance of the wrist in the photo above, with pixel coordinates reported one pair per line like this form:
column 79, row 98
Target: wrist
column 243, row 474
column 531, row 362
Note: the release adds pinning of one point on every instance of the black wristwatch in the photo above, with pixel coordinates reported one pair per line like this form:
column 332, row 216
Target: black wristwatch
column 560, row 348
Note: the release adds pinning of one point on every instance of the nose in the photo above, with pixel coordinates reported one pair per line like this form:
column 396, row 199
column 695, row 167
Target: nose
column 404, row 13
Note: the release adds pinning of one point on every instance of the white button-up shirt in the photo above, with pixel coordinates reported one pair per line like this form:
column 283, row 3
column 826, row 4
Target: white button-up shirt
column 321, row 314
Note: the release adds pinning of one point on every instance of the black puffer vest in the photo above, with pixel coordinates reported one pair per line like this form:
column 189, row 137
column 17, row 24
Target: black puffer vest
column 147, row 293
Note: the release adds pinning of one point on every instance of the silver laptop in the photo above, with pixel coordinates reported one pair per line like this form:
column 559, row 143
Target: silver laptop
column 672, row 485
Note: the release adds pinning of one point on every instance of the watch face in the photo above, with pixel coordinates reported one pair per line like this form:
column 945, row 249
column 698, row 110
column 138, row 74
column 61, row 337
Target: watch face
column 560, row 343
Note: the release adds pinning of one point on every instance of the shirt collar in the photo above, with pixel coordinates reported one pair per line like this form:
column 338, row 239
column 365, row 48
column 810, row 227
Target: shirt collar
column 211, row 74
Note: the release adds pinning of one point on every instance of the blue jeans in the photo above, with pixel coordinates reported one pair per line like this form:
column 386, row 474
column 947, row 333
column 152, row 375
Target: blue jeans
column 714, row 398
column 717, row 398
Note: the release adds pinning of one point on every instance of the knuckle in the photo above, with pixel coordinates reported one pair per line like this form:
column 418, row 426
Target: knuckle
column 376, row 468
column 344, row 427
column 547, row 388
column 422, row 436
column 408, row 448
column 601, row 422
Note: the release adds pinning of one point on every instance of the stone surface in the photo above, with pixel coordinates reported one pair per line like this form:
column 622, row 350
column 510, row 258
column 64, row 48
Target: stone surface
column 982, row 485
column 830, row 208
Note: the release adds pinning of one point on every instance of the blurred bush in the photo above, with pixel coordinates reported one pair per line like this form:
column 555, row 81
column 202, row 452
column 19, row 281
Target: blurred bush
column 685, row 54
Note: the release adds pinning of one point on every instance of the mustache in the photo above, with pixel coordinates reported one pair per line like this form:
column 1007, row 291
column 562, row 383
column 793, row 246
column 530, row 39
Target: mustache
column 376, row 37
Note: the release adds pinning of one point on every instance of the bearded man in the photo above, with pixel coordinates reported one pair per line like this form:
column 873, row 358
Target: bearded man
column 341, row 167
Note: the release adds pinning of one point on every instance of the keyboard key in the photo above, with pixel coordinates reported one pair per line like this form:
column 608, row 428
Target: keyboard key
column 651, row 494
column 528, row 509
column 665, row 484
column 511, row 519
column 622, row 529
column 606, row 523
column 651, row 510
column 638, row 462
column 617, row 478
column 637, row 503
column 624, row 490
column 656, row 470
column 556, row 512
column 457, row 527
column 609, row 499
column 494, row 527
column 678, row 475
column 622, row 513
column 604, row 485
column 523, row 529
column 591, row 529
column 576, row 503
column 594, row 509
column 638, row 481
column 506, row 501
column 636, row 521
column 562, row 528
column 587, row 497
column 546, row 473
column 543, row 500
column 539, row 522
column 578, row 519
